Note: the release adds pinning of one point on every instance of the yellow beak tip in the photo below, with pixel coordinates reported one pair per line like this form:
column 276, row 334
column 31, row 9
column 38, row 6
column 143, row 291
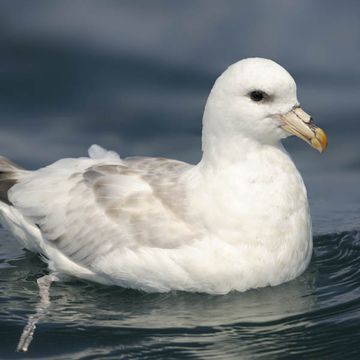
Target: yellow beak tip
column 321, row 140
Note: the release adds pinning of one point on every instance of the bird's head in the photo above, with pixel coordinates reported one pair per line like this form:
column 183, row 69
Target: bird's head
column 256, row 98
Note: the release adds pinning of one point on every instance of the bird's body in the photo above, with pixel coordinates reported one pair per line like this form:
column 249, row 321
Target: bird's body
column 237, row 220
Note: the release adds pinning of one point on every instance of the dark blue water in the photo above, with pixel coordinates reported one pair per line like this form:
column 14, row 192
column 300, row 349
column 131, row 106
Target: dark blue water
column 315, row 316
column 134, row 78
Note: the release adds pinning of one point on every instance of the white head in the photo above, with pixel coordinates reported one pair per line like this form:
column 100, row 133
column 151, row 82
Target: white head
column 255, row 100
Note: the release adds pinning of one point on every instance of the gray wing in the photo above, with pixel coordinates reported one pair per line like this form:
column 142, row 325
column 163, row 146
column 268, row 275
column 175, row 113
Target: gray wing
column 86, row 210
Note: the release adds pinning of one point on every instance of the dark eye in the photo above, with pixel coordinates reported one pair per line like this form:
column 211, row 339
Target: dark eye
column 257, row 95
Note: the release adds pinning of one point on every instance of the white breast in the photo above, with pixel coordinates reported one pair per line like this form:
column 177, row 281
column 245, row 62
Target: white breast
column 259, row 208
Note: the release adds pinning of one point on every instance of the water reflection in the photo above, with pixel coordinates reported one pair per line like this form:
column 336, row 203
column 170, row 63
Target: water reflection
column 241, row 324
column 80, row 303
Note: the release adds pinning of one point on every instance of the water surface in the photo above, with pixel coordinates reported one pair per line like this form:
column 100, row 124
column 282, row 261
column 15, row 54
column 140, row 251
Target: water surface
column 312, row 316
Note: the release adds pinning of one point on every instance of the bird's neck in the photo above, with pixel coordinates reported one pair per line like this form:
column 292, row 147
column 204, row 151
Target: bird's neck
column 221, row 151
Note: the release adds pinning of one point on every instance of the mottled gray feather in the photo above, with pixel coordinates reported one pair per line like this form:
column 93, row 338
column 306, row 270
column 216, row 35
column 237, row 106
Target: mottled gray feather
column 129, row 219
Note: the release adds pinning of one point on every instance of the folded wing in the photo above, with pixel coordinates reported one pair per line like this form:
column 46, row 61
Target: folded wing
column 88, row 207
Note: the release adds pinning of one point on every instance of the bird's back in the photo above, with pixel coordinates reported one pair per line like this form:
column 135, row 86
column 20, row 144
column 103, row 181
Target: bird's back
column 85, row 208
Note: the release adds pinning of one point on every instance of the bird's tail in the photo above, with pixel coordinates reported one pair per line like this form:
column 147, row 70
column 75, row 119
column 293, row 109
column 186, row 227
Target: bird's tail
column 11, row 218
column 9, row 175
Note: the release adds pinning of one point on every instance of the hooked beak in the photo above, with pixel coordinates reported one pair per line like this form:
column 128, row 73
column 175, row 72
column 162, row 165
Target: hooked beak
column 301, row 124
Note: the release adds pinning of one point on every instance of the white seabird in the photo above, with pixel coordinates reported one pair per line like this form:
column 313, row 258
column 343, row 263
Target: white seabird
column 239, row 219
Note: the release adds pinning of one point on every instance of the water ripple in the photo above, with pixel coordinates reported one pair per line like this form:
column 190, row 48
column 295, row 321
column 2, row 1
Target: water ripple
column 316, row 315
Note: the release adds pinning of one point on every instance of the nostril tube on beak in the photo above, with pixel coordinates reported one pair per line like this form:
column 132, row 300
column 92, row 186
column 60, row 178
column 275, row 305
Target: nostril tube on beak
column 312, row 123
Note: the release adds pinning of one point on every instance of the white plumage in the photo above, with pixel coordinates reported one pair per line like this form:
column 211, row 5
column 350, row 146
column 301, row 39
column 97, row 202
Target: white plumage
column 237, row 220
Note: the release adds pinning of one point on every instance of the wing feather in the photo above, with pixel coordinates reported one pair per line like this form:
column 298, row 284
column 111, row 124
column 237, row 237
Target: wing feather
column 88, row 207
